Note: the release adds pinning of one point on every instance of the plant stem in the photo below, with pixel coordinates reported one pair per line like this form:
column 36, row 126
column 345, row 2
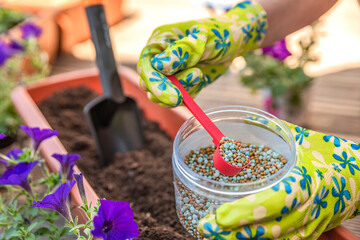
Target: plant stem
column 7, row 159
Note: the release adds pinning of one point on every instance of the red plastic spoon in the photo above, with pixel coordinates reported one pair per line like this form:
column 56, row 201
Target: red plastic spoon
column 219, row 162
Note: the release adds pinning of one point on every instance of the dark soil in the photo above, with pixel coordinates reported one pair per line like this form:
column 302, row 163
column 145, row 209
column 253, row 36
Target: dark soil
column 143, row 177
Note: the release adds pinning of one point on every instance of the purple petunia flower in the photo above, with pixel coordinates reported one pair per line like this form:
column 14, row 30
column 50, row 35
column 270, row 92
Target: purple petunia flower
column 67, row 162
column 18, row 175
column 278, row 50
column 6, row 52
column 115, row 221
column 38, row 135
column 80, row 185
column 16, row 46
column 2, row 136
column 30, row 29
column 12, row 154
column 58, row 200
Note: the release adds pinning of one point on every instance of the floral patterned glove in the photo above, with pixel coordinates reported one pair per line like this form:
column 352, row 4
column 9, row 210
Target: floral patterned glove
column 198, row 52
column 322, row 191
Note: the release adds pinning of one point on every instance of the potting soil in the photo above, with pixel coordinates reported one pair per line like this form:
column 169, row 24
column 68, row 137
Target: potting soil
column 142, row 177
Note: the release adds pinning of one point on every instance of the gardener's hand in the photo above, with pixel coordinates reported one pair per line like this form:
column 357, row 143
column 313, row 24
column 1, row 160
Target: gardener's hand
column 321, row 191
column 198, row 52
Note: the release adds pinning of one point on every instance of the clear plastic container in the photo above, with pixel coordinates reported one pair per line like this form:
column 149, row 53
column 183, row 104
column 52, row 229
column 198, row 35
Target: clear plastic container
column 196, row 196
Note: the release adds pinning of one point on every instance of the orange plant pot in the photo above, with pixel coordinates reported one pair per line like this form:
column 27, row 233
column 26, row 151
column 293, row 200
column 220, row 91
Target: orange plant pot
column 70, row 26
column 74, row 24
column 26, row 98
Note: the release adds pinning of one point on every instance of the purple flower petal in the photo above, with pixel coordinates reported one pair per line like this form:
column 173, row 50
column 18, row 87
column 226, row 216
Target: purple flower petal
column 67, row 162
column 16, row 46
column 30, row 29
column 115, row 221
column 2, row 136
column 38, row 135
column 58, row 200
column 18, row 175
column 278, row 50
column 80, row 185
column 5, row 52
column 12, row 154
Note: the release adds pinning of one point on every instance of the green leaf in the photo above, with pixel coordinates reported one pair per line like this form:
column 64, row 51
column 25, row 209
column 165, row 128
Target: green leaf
column 9, row 233
column 18, row 217
column 77, row 227
column 4, row 216
column 30, row 236
column 34, row 211
column 35, row 225
column 42, row 232
column 53, row 227
column 16, row 234
column 88, row 223
column 65, row 231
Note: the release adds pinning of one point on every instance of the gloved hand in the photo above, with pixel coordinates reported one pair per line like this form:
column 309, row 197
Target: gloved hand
column 322, row 191
column 198, row 52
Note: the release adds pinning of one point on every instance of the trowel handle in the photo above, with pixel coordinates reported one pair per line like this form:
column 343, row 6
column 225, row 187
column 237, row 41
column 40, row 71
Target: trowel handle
column 198, row 113
column 110, row 79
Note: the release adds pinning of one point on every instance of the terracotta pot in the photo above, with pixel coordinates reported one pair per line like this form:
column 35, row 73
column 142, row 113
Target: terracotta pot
column 74, row 24
column 25, row 100
column 69, row 25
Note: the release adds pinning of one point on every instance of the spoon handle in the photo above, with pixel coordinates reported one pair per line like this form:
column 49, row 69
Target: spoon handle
column 199, row 114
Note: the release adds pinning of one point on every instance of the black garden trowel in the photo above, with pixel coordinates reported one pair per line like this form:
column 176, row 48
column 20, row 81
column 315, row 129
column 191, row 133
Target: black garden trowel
column 114, row 118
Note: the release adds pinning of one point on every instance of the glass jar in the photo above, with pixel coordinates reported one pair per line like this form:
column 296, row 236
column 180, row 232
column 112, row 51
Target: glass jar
column 195, row 195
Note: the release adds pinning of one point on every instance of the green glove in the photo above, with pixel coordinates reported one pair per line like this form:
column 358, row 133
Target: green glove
column 322, row 191
column 198, row 51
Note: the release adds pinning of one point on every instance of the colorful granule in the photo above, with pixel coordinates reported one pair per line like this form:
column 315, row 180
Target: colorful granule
column 262, row 163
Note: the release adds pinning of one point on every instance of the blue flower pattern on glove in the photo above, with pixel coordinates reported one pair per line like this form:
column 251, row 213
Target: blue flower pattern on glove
column 336, row 167
column 181, row 64
column 355, row 146
column 319, row 203
column 157, row 61
column 160, row 78
column 201, row 85
column 286, row 183
column 350, row 162
column 306, row 181
column 170, row 40
column 190, row 32
column 193, row 32
column 302, row 132
column 295, row 204
column 320, row 174
column 340, row 192
column 248, row 33
column 260, row 30
column 243, row 4
column 259, row 232
column 215, row 234
column 189, row 82
column 222, row 43
column 337, row 140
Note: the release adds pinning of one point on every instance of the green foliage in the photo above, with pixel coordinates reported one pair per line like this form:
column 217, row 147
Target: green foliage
column 9, row 19
column 18, row 220
column 25, row 67
column 263, row 71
